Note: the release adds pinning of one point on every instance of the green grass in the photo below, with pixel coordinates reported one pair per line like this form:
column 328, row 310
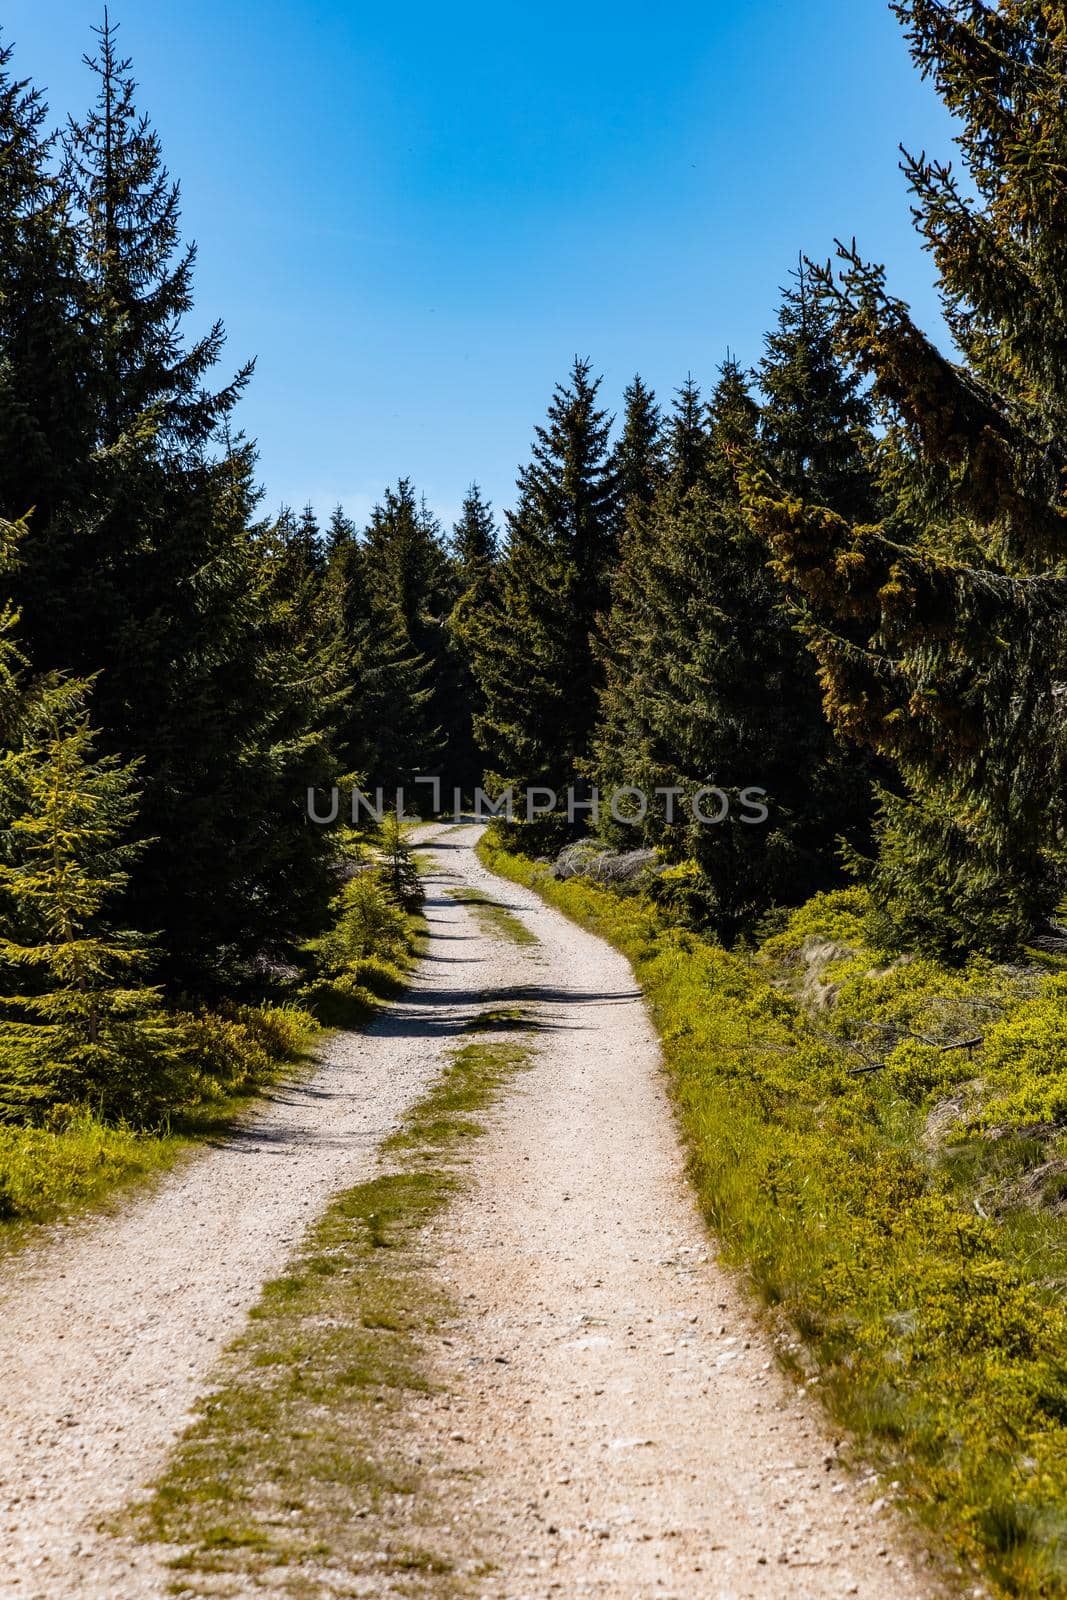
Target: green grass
column 76, row 1161
column 303, row 1469
column 502, row 1019
column 45, row 1173
column 870, row 1203
column 493, row 918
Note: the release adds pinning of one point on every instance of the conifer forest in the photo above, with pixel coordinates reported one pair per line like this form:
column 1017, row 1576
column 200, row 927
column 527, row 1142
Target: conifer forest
column 730, row 862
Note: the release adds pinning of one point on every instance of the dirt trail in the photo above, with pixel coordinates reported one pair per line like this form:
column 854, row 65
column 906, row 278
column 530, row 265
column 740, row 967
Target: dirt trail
column 628, row 1432
column 636, row 1436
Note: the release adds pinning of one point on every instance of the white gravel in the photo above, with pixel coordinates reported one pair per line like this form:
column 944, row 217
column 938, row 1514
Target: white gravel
column 636, row 1436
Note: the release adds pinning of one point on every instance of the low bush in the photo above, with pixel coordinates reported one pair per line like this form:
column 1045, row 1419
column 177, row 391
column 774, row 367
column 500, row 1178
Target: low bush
column 341, row 1002
column 368, row 921
column 282, row 1031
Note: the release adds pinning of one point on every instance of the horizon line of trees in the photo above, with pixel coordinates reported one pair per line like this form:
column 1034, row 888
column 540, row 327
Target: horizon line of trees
column 840, row 577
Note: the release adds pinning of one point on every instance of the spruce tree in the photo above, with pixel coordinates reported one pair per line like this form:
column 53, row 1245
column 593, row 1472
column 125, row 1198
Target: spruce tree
column 138, row 275
column 475, row 548
column 709, row 685
column 146, row 577
column 639, row 456
column 816, row 438
column 386, row 732
column 533, row 650
column 637, row 669
column 340, row 532
column 310, row 541
column 939, row 628
column 46, row 431
column 245, row 724
column 412, row 589
column 815, row 420
column 79, row 1025
column 475, row 543
column 408, row 566
column 688, row 444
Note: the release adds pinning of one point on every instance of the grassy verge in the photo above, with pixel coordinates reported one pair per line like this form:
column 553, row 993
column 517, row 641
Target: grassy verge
column 44, row 1173
column 881, row 1150
column 75, row 1160
column 304, row 1472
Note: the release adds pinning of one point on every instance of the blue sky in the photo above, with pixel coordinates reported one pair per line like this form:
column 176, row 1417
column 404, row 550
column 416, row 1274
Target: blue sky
column 414, row 217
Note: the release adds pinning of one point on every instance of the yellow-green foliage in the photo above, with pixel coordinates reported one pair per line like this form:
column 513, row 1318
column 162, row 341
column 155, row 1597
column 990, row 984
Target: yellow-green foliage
column 367, row 922
column 1024, row 1063
column 227, row 1058
column 44, row 1171
column 282, row 1031
column 838, row 917
column 936, row 1321
column 382, row 978
column 233, row 1051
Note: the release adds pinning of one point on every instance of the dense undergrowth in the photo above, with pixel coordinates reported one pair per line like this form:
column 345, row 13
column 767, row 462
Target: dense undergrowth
column 881, row 1148
column 70, row 1135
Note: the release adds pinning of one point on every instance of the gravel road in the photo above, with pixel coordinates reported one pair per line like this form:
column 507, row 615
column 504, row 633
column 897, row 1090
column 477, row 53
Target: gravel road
column 635, row 1433
column 628, row 1430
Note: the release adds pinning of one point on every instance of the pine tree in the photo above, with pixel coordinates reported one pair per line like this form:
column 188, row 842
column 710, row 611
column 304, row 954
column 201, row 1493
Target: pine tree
column 78, row 1023
column 386, row 732
column 475, row 543
column 649, row 461
column 939, row 629
column 46, row 433
column 816, row 438
column 147, row 578
column 408, row 566
column 815, row 421
column 233, row 740
column 310, row 541
column 533, row 652
column 340, row 532
column 412, row 588
column 138, row 276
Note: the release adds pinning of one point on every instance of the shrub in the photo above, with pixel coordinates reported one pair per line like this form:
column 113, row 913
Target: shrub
column 368, row 922
column 1024, row 1063
column 224, row 1057
column 383, row 978
column 341, row 1002
column 283, row 1031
